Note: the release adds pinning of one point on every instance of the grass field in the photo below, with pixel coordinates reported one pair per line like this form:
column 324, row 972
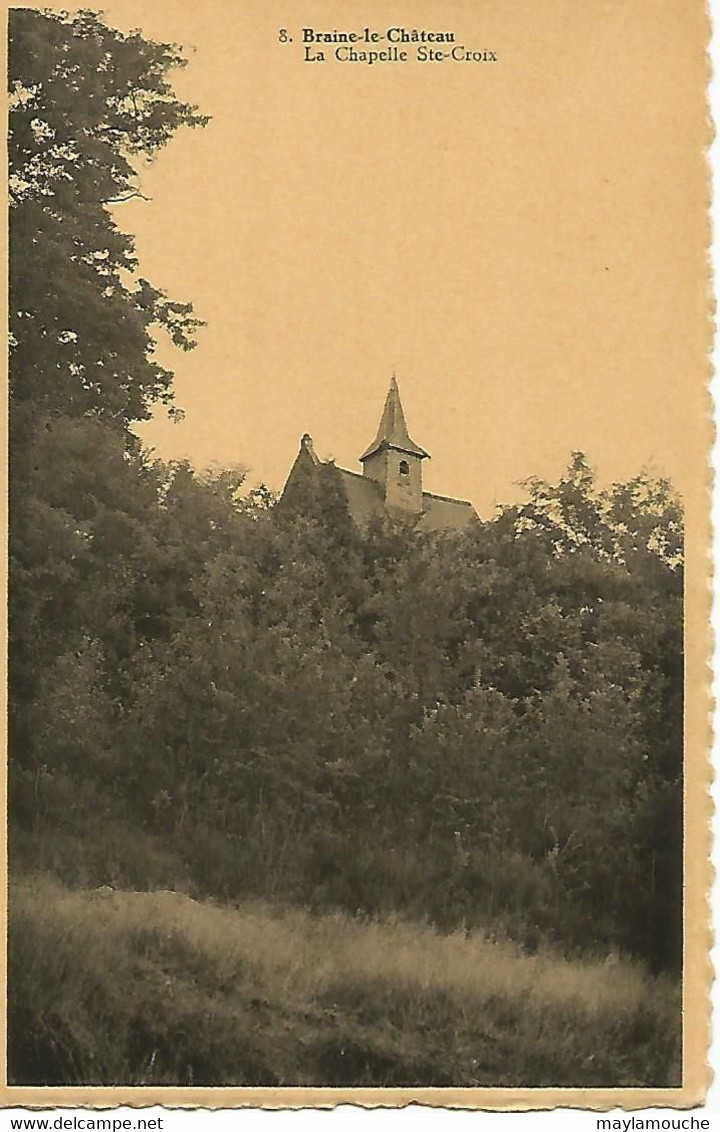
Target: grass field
column 155, row 988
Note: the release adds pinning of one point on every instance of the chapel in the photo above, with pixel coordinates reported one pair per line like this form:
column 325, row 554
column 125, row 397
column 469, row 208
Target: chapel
column 391, row 479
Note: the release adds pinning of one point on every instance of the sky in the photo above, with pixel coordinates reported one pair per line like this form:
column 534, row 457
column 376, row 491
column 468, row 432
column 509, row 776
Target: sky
column 522, row 241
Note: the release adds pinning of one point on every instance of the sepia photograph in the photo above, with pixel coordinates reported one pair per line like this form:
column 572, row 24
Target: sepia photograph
column 358, row 552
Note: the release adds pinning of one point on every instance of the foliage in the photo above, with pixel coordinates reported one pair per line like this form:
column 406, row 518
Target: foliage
column 479, row 728
column 86, row 103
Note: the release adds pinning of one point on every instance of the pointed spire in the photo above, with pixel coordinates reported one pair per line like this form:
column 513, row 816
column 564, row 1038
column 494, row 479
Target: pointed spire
column 392, row 431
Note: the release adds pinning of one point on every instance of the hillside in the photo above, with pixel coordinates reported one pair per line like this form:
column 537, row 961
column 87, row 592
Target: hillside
column 198, row 994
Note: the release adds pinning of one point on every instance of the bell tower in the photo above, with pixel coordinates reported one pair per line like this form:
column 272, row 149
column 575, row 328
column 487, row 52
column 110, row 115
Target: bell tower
column 394, row 461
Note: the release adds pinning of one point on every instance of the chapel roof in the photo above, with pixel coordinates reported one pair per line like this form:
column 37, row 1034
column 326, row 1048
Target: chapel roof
column 439, row 512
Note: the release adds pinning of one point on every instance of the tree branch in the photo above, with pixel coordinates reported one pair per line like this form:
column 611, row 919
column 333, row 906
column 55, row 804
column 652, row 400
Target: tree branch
column 133, row 194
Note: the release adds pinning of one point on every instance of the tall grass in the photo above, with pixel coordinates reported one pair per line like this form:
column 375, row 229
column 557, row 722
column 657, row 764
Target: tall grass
column 141, row 988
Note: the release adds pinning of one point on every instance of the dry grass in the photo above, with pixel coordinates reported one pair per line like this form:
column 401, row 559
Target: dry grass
column 143, row 987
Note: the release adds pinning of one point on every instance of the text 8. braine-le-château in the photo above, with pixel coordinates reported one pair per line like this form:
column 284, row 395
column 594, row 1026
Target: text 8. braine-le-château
column 369, row 45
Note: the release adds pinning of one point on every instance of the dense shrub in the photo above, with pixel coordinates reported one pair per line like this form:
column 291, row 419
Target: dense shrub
column 464, row 727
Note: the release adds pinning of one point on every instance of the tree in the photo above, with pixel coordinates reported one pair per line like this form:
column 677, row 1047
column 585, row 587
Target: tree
column 86, row 102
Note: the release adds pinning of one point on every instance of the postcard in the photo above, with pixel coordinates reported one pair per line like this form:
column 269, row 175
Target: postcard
column 359, row 524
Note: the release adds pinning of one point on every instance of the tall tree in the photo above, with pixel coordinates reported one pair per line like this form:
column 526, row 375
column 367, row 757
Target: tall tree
column 86, row 101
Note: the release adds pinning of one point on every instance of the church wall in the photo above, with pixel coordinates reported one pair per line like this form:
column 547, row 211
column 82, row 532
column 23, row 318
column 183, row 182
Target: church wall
column 375, row 467
column 403, row 483
column 400, row 477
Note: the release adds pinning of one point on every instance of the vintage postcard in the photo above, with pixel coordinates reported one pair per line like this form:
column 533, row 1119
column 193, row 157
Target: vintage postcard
column 359, row 587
